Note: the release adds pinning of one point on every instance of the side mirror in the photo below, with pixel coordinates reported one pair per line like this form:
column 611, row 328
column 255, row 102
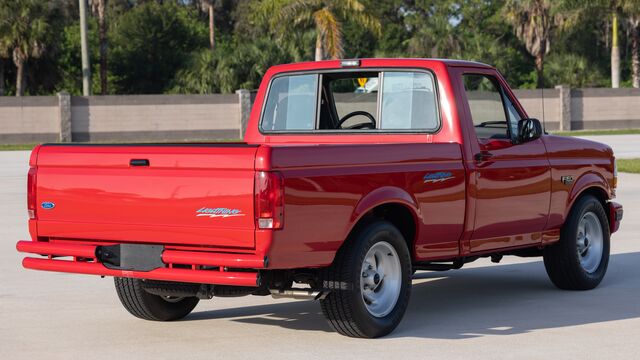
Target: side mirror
column 529, row 130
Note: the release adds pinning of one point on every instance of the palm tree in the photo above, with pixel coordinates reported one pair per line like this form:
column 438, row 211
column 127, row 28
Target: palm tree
column 615, row 8
column 1, row 76
column 631, row 8
column 210, row 7
column 98, row 7
column 533, row 22
column 615, row 52
column 325, row 16
column 433, row 33
column 23, row 33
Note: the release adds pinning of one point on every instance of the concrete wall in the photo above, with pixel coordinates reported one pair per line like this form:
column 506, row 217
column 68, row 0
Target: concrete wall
column 154, row 117
column 29, row 119
column 532, row 102
column 120, row 118
column 605, row 109
column 202, row 117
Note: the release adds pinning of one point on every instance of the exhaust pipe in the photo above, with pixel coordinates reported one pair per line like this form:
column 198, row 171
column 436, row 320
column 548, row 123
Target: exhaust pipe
column 300, row 294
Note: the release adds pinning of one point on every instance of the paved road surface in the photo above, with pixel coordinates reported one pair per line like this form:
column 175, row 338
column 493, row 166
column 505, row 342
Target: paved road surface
column 483, row 311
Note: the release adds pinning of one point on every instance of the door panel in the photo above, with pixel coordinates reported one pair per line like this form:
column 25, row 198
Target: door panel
column 512, row 196
column 510, row 183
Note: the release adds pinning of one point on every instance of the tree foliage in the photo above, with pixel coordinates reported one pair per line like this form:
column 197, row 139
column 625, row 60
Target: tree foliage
column 149, row 43
column 24, row 32
column 165, row 46
column 326, row 17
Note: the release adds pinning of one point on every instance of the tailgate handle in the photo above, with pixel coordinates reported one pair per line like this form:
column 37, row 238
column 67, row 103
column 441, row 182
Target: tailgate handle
column 139, row 162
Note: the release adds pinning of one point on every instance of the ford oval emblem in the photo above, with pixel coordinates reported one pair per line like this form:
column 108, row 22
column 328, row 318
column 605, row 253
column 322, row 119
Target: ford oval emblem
column 48, row 205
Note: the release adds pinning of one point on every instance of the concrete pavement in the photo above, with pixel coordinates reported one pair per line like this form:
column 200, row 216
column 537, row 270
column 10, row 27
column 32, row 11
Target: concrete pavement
column 483, row 311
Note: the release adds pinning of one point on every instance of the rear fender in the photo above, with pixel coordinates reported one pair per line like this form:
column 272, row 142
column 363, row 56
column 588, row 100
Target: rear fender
column 381, row 196
column 33, row 158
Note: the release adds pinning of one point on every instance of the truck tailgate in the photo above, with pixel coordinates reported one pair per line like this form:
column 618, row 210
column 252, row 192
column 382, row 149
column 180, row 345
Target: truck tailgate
column 191, row 194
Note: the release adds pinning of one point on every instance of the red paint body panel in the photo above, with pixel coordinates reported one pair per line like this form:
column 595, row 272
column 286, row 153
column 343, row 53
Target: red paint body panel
column 615, row 216
column 331, row 181
column 178, row 275
column 98, row 195
column 47, row 248
column 591, row 165
column 84, row 262
column 338, row 184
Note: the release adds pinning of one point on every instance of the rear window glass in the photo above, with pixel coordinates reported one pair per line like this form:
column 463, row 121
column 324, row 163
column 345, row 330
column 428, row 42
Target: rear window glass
column 291, row 104
column 408, row 101
column 362, row 101
column 354, row 94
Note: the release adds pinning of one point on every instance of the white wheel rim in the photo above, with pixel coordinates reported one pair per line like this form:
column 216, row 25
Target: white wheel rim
column 590, row 242
column 381, row 279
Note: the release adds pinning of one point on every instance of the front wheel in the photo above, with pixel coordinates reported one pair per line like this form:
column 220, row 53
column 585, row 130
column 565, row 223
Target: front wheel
column 370, row 283
column 579, row 260
column 148, row 306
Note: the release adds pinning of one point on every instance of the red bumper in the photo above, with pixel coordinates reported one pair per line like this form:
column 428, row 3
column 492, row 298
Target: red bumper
column 615, row 216
column 83, row 261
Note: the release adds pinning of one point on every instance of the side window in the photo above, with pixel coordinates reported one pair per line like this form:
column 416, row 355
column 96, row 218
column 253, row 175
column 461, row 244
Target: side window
column 408, row 101
column 514, row 117
column 291, row 104
column 487, row 109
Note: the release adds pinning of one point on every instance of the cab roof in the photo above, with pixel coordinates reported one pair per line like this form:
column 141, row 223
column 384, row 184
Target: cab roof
column 375, row 62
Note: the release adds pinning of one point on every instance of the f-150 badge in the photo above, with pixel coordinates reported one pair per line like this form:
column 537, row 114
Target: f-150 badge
column 218, row 212
column 437, row 177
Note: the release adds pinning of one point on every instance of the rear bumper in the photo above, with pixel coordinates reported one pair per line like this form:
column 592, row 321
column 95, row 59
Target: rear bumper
column 180, row 266
column 615, row 216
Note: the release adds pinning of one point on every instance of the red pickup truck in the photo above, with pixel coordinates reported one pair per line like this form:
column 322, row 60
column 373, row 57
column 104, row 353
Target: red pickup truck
column 352, row 175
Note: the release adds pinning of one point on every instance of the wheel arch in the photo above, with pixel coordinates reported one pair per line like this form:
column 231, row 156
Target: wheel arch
column 390, row 204
column 588, row 184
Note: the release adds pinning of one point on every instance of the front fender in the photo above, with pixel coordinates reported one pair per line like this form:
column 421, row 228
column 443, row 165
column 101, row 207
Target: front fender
column 584, row 182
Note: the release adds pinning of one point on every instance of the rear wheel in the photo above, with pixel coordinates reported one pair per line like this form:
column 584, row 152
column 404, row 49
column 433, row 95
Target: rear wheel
column 370, row 283
column 579, row 260
column 147, row 306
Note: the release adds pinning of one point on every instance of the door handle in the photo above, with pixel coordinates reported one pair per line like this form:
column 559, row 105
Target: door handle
column 483, row 156
column 139, row 162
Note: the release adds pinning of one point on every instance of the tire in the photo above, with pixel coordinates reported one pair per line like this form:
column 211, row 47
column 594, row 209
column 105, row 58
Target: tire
column 353, row 284
column 579, row 260
column 144, row 305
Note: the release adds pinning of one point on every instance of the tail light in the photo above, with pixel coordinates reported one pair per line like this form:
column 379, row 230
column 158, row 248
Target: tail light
column 269, row 202
column 31, row 193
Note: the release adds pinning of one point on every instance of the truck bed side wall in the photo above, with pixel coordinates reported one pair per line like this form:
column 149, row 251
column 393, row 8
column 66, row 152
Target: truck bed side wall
column 329, row 188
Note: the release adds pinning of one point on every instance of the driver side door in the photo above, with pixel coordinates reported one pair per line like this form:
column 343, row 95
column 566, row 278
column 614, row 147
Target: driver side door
column 512, row 180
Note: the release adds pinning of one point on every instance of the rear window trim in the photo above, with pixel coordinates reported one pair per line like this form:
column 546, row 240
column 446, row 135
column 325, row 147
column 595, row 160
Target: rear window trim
column 320, row 72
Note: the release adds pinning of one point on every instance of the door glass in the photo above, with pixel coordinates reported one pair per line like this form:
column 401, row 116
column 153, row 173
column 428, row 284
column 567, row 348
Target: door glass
column 487, row 110
column 514, row 117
